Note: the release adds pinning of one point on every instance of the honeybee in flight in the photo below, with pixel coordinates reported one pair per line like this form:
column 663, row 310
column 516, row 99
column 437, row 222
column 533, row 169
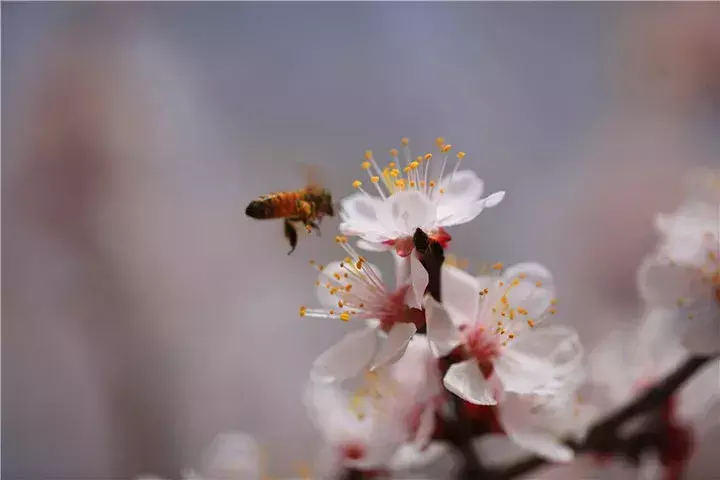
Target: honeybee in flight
column 307, row 206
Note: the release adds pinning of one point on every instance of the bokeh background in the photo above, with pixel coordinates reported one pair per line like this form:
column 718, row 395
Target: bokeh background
column 143, row 313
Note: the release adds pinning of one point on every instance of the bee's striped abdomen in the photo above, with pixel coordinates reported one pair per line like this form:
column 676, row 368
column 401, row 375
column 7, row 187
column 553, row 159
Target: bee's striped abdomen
column 274, row 205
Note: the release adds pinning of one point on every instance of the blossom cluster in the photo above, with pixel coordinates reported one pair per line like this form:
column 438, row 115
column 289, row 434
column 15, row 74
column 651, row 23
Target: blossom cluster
column 381, row 396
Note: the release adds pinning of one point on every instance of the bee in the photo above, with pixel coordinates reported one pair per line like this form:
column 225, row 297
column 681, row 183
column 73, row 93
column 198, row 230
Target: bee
column 306, row 206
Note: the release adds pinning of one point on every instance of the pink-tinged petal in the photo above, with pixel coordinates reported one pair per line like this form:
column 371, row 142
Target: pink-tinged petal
column 663, row 285
column 402, row 269
column 347, row 358
column 411, row 210
column 395, row 344
column 419, row 281
column 409, row 457
column 442, row 334
column 426, row 428
column 460, row 294
column 465, row 380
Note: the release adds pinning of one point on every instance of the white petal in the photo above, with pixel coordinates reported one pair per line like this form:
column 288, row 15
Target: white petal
column 460, row 294
column 359, row 288
column 534, row 290
column 372, row 247
column 458, row 211
column 344, row 360
column 233, row 456
column 409, row 457
column 541, row 360
column 402, row 269
column 465, row 185
column 544, row 445
column 465, row 380
column 361, row 209
column 395, row 344
column 442, row 334
column 419, row 281
column 494, row 199
column 411, row 210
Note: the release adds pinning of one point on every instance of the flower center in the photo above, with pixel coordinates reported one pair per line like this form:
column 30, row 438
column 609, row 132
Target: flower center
column 393, row 310
column 483, row 347
column 353, row 451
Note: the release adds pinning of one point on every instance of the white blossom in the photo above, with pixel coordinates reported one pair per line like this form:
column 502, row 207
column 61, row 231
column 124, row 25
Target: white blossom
column 495, row 319
column 409, row 197
column 354, row 290
column 684, row 272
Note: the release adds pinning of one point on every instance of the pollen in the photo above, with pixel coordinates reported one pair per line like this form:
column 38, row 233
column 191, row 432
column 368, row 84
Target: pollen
column 522, row 311
column 368, row 154
column 461, row 155
column 553, row 301
column 348, row 287
column 303, row 311
column 446, row 148
column 530, row 323
column 498, row 266
column 428, row 156
column 415, row 164
column 394, row 152
column 511, row 335
column 365, row 165
column 374, row 179
column 538, row 284
column 345, row 317
column 442, row 191
column 432, row 184
column 552, row 311
column 391, row 165
column 405, row 141
column 357, row 184
column 340, row 304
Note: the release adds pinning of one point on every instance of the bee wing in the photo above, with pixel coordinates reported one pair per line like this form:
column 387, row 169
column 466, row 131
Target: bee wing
column 314, row 176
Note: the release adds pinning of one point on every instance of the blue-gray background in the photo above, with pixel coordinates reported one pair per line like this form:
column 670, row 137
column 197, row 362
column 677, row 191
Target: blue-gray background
column 143, row 314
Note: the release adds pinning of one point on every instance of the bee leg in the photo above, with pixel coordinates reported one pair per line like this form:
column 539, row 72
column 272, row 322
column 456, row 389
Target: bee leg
column 314, row 226
column 291, row 235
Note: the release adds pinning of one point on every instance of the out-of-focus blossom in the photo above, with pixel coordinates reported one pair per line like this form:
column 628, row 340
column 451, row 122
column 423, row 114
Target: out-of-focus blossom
column 684, row 273
column 542, row 423
column 231, row 456
column 495, row 319
column 385, row 423
column 412, row 198
column 354, row 289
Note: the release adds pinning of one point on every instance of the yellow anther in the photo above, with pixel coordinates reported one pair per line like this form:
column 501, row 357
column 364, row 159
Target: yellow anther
column 432, row 184
column 442, row 191
column 511, row 335
column 357, row 184
column 348, row 287
column 504, row 299
column 374, row 179
column 522, row 311
column 368, row 154
column 303, row 311
column 553, row 301
column 440, row 141
column 391, row 165
column 393, row 152
column 340, row 304
column 501, row 283
column 530, row 323
column 515, row 282
column 461, row 155
column 538, row 284
column 336, row 275
column 407, row 169
column 394, row 172
column 412, row 184
column 498, row 266
column 419, row 158
column 365, row 165
column 499, row 324
column 522, row 276
column 415, row 164
column 422, row 183
column 428, row 156
column 552, row 311
column 317, row 283
column 511, row 314
column 405, row 141
column 339, row 239
column 345, row 317
column 446, row 148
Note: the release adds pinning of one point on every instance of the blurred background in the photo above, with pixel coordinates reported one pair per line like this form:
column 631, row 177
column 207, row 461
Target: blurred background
column 143, row 313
